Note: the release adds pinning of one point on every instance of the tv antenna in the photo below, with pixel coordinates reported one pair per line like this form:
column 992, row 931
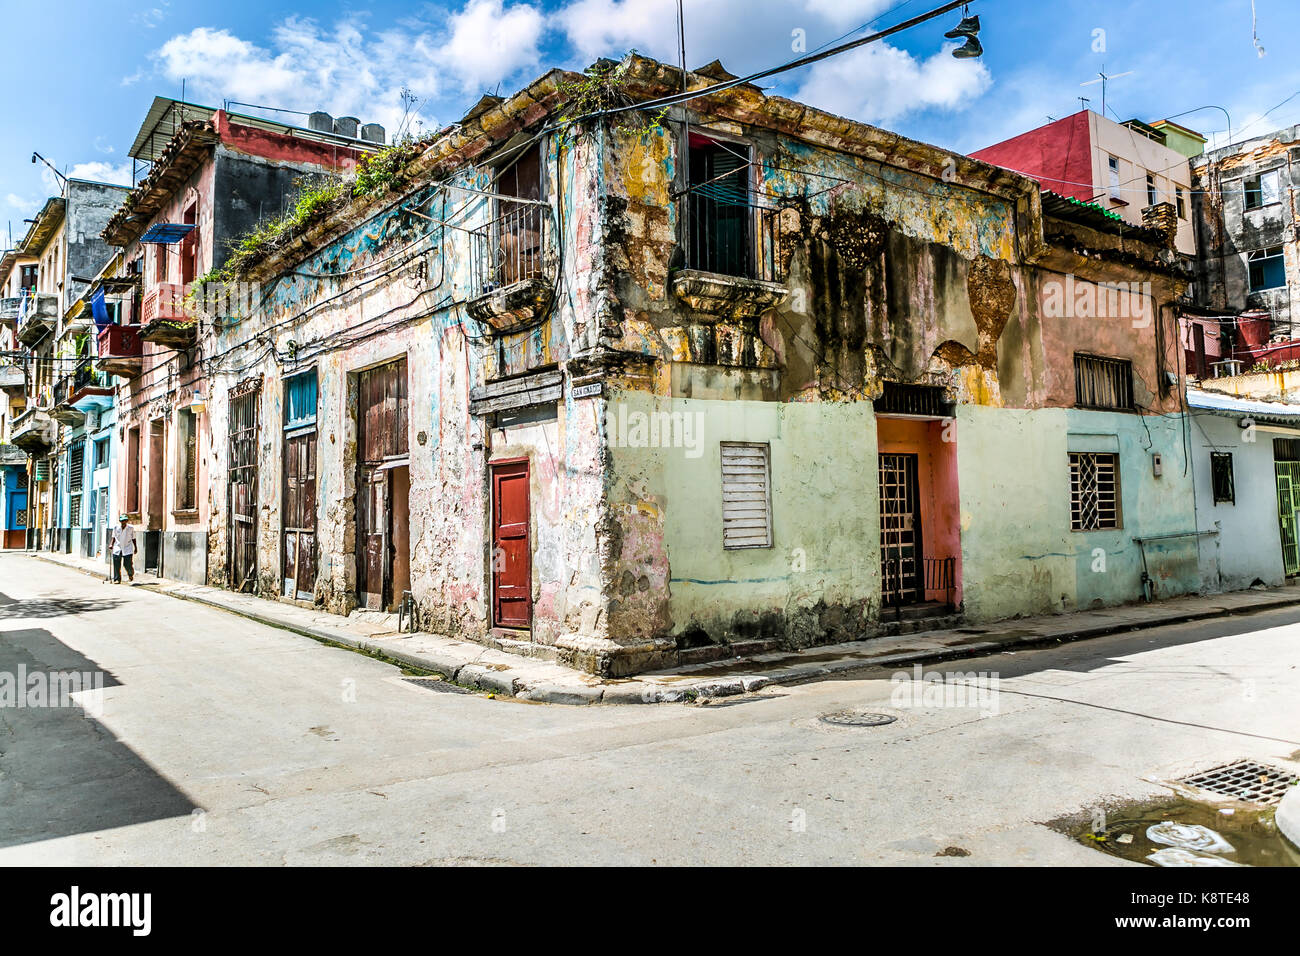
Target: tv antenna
column 1103, row 79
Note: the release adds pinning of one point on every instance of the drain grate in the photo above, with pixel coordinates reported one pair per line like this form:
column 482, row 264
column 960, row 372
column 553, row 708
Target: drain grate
column 856, row 718
column 436, row 684
column 1244, row 780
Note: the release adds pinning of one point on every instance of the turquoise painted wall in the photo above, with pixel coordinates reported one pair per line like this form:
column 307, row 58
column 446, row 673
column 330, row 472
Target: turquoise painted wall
column 1020, row 556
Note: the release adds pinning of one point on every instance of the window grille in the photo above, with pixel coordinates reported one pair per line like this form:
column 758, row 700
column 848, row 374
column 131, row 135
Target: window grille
column 1094, row 491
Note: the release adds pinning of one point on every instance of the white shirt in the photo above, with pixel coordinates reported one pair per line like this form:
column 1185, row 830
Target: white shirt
column 124, row 540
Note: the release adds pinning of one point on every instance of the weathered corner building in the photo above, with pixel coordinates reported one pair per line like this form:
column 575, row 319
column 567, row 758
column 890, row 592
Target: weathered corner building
column 634, row 393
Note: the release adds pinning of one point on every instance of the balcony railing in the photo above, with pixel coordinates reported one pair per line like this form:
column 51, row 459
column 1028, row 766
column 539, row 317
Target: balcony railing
column 164, row 318
column 511, row 266
column 512, row 247
column 37, row 313
column 165, row 302
column 731, row 238
column 120, row 350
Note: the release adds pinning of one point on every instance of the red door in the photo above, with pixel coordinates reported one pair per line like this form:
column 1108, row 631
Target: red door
column 511, row 554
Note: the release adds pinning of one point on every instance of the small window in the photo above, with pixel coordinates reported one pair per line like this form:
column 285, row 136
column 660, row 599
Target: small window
column 746, row 495
column 719, row 219
column 76, row 466
column 1112, row 164
column 1180, row 201
column 1153, row 195
column 101, row 454
column 1263, row 190
column 1103, row 382
column 187, row 464
column 1267, row 269
column 1221, row 477
column 300, row 400
column 1094, row 491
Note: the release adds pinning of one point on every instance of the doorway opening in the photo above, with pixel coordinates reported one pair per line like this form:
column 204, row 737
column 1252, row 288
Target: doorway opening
column 383, row 550
column 241, row 573
column 920, row 520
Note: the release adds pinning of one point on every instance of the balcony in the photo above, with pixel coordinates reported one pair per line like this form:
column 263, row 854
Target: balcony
column 37, row 314
column 9, row 307
column 75, row 394
column 12, row 381
column 164, row 319
column 120, row 350
column 33, row 431
column 511, row 269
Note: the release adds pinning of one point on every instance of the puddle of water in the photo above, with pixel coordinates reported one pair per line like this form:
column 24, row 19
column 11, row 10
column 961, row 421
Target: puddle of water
column 1251, row 831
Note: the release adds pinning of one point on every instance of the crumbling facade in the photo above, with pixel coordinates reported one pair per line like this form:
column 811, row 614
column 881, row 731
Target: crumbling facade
column 667, row 386
column 1248, row 249
column 214, row 177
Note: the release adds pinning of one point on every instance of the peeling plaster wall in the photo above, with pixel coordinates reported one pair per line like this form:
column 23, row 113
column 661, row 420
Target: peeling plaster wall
column 1020, row 556
column 889, row 275
column 339, row 310
column 820, row 579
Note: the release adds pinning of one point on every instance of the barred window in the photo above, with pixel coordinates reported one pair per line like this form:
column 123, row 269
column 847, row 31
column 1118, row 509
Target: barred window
column 1221, row 477
column 1103, row 382
column 1094, row 491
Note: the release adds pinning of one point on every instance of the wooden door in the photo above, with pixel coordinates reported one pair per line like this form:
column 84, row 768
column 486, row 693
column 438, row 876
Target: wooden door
column 242, row 493
column 300, row 515
column 383, row 421
column 511, row 553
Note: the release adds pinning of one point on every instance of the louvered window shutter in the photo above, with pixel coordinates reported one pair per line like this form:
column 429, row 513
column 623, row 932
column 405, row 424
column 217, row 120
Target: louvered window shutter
column 746, row 496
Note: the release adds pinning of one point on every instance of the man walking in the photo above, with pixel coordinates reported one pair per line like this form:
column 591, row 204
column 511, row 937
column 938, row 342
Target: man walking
column 123, row 550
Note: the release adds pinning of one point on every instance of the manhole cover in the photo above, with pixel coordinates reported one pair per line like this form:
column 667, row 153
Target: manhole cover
column 435, row 683
column 856, row 718
column 1244, row 780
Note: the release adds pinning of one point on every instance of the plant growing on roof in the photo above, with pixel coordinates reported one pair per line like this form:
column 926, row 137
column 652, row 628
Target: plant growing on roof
column 602, row 87
column 380, row 171
column 314, row 199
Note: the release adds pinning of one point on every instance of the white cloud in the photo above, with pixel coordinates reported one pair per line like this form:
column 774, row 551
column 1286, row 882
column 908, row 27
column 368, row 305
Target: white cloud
column 489, row 42
column 880, row 83
column 349, row 69
column 847, row 13
column 99, row 172
column 602, row 27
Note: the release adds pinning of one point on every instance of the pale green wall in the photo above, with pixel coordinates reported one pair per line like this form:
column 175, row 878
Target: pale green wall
column 1018, row 553
column 822, row 572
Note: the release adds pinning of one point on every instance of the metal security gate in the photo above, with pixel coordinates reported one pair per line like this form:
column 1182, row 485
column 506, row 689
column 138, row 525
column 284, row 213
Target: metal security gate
column 1288, row 513
column 242, row 480
column 300, row 515
column 901, row 580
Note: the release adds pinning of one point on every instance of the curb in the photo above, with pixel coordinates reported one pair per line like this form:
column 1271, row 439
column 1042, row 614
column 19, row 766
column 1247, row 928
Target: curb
column 493, row 679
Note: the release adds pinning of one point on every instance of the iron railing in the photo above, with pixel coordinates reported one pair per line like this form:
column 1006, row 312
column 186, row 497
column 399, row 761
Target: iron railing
column 731, row 238
column 511, row 248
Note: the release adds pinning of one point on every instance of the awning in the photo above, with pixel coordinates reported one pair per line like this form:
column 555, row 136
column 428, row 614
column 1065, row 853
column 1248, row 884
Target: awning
column 1232, row 406
column 166, row 233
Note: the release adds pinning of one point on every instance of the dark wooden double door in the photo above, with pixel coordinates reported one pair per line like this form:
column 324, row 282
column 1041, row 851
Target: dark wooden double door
column 383, row 486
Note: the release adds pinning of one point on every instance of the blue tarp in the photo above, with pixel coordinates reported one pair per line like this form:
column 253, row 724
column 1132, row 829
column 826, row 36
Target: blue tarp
column 99, row 309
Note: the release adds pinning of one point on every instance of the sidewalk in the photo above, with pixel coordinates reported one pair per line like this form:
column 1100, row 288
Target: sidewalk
column 492, row 671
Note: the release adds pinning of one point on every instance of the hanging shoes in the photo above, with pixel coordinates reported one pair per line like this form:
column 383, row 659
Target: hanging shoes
column 969, row 49
column 968, row 27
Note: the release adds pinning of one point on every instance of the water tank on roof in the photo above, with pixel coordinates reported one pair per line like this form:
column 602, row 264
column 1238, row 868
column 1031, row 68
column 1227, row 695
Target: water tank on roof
column 373, row 133
column 346, row 126
column 321, row 121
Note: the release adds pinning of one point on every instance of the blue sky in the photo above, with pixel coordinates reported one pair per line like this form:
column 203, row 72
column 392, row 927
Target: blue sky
column 81, row 74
